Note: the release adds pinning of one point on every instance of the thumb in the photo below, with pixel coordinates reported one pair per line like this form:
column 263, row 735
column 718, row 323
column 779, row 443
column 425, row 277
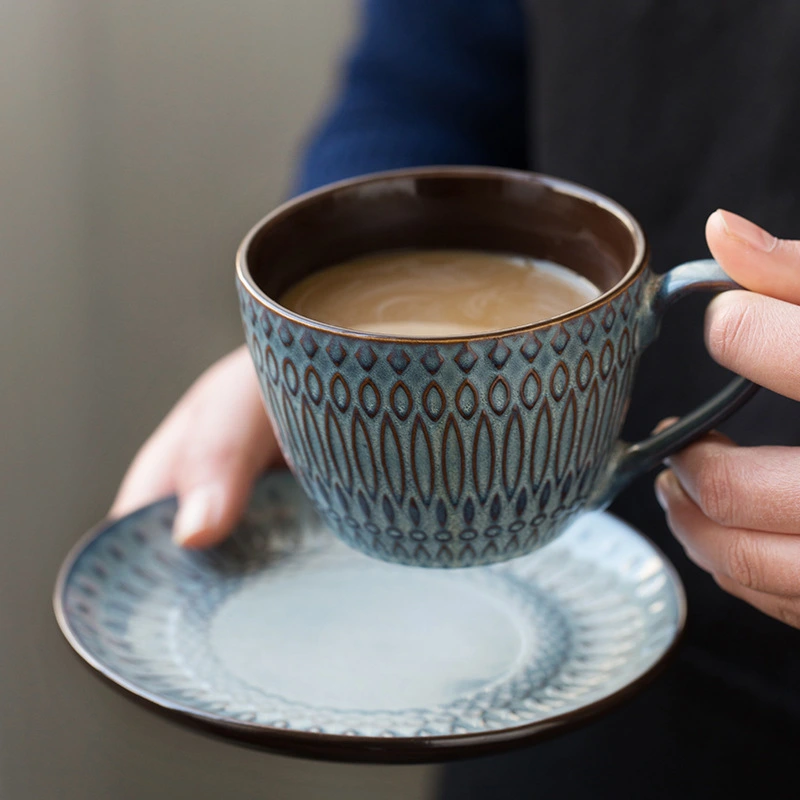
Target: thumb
column 754, row 258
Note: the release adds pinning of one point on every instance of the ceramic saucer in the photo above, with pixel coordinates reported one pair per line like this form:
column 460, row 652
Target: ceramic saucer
column 285, row 638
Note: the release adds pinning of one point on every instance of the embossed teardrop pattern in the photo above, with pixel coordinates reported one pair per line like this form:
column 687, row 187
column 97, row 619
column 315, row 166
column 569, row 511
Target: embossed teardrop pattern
column 541, row 442
column 453, row 460
column 400, row 400
column 313, row 385
column 338, row 449
column 449, row 454
column 585, row 370
column 392, row 459
column 290, row 375
column 364, row 454
column 466, row 400
column 588, row 426
column 609, row 407
column 369, row 397
column 314, row 441
column 513, row 453
column 499, row 395
column 290, row 418
column 531, row 389
column 340, row 392
column 272, row 364
column 566, row 436
column 433, row 401
column 422, row 460
column 483, row 457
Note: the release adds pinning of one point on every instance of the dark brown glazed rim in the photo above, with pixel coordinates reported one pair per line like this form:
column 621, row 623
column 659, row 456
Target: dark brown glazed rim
column 361, row 749
column 564, row 187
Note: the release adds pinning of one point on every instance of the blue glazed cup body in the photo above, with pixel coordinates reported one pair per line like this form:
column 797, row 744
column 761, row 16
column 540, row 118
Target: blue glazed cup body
column 449, row 452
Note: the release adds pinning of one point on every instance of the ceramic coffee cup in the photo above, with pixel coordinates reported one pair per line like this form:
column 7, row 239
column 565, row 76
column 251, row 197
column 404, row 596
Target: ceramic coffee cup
column 467, row 450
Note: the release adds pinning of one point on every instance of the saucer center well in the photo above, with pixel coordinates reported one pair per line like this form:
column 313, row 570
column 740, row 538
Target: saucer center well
column 367, row 635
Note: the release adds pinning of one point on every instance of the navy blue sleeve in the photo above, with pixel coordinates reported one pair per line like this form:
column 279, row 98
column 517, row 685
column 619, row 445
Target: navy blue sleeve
column 428, row 82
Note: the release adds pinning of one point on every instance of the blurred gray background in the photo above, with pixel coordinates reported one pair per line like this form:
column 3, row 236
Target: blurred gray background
column 139, row 140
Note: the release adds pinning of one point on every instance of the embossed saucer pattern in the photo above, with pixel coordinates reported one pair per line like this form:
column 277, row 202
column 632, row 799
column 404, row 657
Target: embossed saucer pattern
column 285, row 638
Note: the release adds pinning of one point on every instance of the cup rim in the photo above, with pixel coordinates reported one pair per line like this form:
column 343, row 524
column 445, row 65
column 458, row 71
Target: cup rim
column 561, row 185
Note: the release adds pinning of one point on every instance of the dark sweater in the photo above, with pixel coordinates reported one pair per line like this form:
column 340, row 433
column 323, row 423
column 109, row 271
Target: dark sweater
column 429, row 82
column 673, row 108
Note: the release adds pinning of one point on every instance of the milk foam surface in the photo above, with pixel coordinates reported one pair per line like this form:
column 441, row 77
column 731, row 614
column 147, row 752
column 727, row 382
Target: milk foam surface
column 439, row 293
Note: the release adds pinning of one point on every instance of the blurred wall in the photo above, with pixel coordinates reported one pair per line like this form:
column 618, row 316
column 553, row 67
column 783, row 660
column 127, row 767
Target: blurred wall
column 139, row 140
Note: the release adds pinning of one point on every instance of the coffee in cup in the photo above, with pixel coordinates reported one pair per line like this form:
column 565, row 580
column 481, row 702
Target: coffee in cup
column 438, row 292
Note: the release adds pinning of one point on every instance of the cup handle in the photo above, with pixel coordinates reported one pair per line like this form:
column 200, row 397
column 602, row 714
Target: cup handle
column 631, row 460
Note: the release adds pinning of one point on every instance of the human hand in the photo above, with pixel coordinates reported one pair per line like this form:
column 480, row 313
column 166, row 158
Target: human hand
column 736, row 510
column 208, row 450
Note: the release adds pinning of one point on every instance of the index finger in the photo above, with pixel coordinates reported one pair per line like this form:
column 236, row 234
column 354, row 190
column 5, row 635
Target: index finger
column 758, row 337
column 151, row 474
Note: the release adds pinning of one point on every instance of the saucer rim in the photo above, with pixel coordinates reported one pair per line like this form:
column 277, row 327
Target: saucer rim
column 357, row 749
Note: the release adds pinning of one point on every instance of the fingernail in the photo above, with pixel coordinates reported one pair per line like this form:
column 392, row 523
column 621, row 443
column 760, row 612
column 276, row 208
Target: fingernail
column 663, row 487
column 747, row 232
column 196, row 513
column 664, row 424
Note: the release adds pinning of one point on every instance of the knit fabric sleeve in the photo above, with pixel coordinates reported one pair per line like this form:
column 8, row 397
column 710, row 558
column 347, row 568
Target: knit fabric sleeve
column 427, row 82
